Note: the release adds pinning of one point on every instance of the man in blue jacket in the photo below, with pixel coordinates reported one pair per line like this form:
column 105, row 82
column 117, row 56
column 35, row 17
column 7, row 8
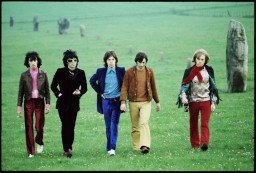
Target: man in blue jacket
column 107, row 83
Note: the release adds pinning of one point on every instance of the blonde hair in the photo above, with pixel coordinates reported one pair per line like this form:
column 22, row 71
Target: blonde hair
column 199, row 53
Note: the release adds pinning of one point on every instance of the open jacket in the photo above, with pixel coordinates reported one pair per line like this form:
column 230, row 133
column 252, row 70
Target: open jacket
column 129, row 87
column 186, row 87
column 26, row 83
column 63, row 83
column 97, row 82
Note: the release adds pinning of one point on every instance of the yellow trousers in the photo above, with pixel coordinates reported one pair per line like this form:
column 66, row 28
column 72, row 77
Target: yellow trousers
column 140, row 114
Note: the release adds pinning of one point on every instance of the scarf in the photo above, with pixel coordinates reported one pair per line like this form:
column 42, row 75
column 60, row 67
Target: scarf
column 195, row 71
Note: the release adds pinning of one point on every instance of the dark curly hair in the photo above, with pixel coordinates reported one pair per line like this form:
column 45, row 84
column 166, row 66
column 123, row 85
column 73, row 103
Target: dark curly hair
column 32, row 55
column 107, row 55
column 140, row 56
column 69, row 54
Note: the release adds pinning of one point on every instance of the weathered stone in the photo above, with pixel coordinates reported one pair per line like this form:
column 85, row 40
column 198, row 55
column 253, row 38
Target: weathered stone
column 63, row 25
column 11, row 21
column 82, row 30
column 189, row 63
column 36, row 23
column 236, row 57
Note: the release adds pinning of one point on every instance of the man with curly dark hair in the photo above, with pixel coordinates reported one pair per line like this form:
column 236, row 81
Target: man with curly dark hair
column 34, row 88
column 68, row 85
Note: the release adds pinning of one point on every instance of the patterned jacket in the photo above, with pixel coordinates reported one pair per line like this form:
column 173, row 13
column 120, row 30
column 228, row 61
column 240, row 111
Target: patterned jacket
column 186, row 88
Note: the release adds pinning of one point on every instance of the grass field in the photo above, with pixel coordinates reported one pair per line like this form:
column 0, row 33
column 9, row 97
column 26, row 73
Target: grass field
column 174, row 29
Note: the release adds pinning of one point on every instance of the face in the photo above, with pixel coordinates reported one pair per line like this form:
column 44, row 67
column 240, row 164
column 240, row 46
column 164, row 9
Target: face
column 111, row 61
column 200, row 61
column 72, row 63
column 32, row 63
column 141, row 65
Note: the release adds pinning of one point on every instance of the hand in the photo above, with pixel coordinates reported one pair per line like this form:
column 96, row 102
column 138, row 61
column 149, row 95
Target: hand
column 158, row 107
column 123, row 107
column 212, row 107
column 102, row 96
column 76, row 92
column 46, row 111
column 19, row 114
column 184, row 100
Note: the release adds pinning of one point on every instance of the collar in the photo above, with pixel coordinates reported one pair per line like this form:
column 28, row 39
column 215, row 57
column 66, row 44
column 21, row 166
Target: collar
column 113, row 69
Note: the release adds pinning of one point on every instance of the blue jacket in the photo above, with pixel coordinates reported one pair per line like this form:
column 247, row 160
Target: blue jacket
column 97, row 82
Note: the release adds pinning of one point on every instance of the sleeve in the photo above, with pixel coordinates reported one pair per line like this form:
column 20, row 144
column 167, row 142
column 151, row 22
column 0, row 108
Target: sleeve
column 47, row 90
column 124, row 88
column 20, row 92
column 55, row 83
column 94, row 82
column 83, row 89
column 154, row 89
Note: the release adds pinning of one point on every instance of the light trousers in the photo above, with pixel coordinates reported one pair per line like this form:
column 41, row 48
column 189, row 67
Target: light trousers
column 140, row 114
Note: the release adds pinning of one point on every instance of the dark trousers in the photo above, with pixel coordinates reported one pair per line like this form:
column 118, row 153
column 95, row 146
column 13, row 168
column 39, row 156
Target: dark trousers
column 31, row 106
column 194, row 108
column 68, row 121
column 111, row 110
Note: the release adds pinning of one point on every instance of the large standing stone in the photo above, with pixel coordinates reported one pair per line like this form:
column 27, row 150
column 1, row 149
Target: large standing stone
column 236, row 57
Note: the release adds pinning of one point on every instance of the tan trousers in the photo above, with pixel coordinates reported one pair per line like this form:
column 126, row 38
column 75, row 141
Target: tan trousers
column 140, row 114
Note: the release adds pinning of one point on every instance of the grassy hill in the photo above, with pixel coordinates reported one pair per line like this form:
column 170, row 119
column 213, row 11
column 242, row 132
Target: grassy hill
column 173, row 30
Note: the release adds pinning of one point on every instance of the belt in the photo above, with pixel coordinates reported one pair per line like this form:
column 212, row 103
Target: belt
column 115, row 99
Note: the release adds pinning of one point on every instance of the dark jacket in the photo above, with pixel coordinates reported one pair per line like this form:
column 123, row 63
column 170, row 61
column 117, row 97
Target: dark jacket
column 26, row 83
column 129, row 87
column 66, row 84
column 186, row 87
column 97, row 82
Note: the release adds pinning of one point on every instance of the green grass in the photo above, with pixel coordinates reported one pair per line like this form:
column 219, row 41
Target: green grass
column 150, row 27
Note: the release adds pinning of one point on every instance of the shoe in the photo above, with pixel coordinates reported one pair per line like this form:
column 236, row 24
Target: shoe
column 68, row 153
column 204, row 147
column 144, row 150
column 30, row 155
column 112, row 152
column 40, row 148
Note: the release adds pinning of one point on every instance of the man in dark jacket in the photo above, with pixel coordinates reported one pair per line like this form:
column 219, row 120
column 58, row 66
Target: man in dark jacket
column 34, row 89
column 72, row 85
column 107, row 83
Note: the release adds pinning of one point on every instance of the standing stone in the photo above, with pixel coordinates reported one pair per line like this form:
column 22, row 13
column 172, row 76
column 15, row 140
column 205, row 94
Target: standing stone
column 236, row 57
column 63, row 25
column 130, row 51
column 82, row 30
column 36, row 23
column 161, row 56
column 189, row 63
column 11, row 21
